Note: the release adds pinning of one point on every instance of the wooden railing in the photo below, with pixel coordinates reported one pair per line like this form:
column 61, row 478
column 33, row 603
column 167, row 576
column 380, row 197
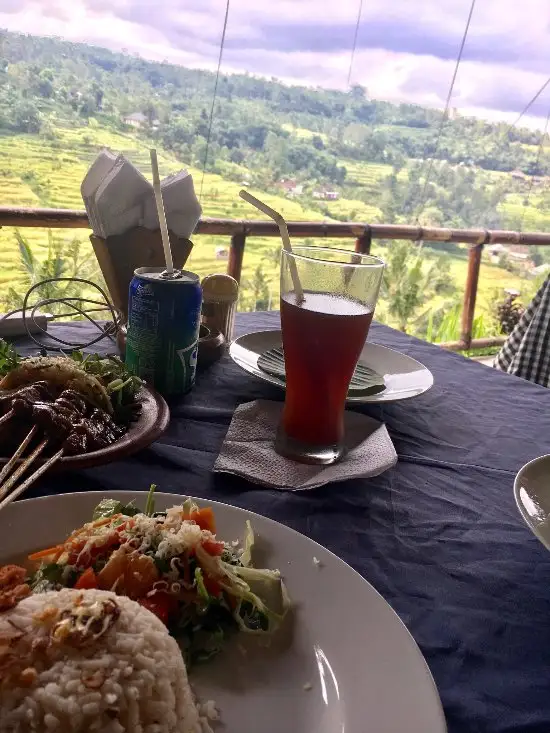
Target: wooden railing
column 363, row 234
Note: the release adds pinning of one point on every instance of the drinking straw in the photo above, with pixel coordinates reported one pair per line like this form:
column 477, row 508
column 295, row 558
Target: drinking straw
column 162, row 216
column 283, row 229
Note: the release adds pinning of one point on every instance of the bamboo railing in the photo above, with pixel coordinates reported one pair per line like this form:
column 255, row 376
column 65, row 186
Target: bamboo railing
column 239, row 229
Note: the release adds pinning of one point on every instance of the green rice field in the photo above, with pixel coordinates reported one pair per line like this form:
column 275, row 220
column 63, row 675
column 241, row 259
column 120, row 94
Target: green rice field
column 37, row 172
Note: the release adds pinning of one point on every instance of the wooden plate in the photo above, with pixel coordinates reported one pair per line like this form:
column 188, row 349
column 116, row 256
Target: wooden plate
column 151, row 423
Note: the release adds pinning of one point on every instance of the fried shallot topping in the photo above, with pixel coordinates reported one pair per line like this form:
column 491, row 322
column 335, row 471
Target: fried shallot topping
column 12, row 586
column 83, row 623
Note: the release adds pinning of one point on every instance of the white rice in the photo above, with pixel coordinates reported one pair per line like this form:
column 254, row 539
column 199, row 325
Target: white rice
column 130, row 679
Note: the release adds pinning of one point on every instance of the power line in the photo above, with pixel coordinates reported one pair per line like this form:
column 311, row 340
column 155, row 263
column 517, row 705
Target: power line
column 359, row 13
column 445, row 112
column 529, row 104
column 222, row 43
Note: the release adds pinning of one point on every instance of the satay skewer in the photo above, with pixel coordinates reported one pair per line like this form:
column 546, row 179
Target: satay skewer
column 18, row 453
column 9, row 414
column 60, row 419
column 22, row 468
column 5, row 500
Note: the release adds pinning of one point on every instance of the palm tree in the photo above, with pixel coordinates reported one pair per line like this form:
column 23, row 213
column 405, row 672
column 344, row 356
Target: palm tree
column 64, row 259
column 411, row 280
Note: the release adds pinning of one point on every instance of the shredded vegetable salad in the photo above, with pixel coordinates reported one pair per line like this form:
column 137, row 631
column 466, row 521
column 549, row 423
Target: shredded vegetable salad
column 173, row 564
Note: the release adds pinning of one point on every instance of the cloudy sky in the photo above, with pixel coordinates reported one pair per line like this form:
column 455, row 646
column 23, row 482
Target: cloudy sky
column 406, row 49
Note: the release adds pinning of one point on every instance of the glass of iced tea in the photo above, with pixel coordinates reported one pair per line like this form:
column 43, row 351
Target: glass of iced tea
column 323, row 335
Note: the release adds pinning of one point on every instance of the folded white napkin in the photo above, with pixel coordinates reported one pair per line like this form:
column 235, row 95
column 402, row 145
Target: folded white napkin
column 248, row 450
column 92, row 180
column 181, row 205
column 118, row 198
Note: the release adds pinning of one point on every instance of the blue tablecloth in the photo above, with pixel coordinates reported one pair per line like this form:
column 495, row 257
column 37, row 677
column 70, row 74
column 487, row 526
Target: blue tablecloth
column 439, row 535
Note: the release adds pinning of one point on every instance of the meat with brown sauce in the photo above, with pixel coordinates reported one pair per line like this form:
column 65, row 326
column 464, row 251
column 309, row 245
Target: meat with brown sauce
column 68, row 421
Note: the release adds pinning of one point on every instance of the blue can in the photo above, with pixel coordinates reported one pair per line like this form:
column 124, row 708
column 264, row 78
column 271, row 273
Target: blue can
column 164, row 313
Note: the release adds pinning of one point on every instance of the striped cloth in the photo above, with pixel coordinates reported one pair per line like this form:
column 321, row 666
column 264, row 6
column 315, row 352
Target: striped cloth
column 526, row 352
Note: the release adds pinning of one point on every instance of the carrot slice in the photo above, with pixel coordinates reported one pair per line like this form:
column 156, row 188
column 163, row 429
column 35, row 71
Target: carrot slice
column 58, row 549
column 205, row 519
column 44, row 553
column 96, row 523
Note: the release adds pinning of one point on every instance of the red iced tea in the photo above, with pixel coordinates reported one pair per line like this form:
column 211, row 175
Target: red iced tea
column 322, row 339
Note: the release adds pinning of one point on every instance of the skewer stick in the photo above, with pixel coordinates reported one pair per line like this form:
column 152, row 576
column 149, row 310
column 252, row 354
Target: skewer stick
column 31, row 479
column 22, row 468
column 13, row 460
column 6, row 417
column 283, row 230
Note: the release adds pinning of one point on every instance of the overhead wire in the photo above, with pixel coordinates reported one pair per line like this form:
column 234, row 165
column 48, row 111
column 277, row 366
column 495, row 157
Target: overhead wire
column 209, row 135
column 354, row 46
column 445, row 113
column 507, row 131
column 529, row 104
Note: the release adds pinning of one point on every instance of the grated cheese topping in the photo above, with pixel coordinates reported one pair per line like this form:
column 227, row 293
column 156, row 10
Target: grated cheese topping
column 170, row 535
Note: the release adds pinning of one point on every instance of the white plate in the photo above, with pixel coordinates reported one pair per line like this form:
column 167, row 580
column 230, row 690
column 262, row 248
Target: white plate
column 404, row 376
column 532, row 492
column 366, row 672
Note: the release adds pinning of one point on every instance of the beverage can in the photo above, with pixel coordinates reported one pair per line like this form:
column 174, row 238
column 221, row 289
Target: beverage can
column 163, row 328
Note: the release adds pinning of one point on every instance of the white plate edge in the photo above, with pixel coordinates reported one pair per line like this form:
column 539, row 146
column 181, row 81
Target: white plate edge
column 519, row 503
column 379, row 397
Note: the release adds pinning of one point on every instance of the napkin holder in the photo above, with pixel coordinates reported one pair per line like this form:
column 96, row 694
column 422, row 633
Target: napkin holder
column 118, row 256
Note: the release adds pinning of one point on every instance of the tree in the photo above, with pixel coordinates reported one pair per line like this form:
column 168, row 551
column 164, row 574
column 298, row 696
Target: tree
column 260, row 299
column 358, row 92
column 236, row 156
column 150, row 111
column 410, row 280
column 317, row 142
column 44, row 85
column 536, row 256
column 64, row 259
column 26, row 118
column 98, row 94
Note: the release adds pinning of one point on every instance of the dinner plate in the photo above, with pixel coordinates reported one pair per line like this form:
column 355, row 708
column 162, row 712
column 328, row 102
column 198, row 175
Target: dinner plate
column 152, row 421
column 532, row 492
column 404, row 377
column 342, row 663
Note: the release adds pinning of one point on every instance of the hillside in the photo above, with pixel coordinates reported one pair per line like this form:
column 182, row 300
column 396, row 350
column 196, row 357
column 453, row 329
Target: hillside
column 60, row 102
column 43, row 174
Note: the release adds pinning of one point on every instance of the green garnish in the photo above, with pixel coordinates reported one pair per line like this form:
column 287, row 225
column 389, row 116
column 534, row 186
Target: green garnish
column 253, row 618
column 204, row 595
column 47, row 577
column 109, row 507
column 150, row 503
column 9, row 358
column 162, row 564
column 122, row 386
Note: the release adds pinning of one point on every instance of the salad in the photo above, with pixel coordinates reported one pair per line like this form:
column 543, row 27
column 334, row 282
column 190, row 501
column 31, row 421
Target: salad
column 172, row 563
